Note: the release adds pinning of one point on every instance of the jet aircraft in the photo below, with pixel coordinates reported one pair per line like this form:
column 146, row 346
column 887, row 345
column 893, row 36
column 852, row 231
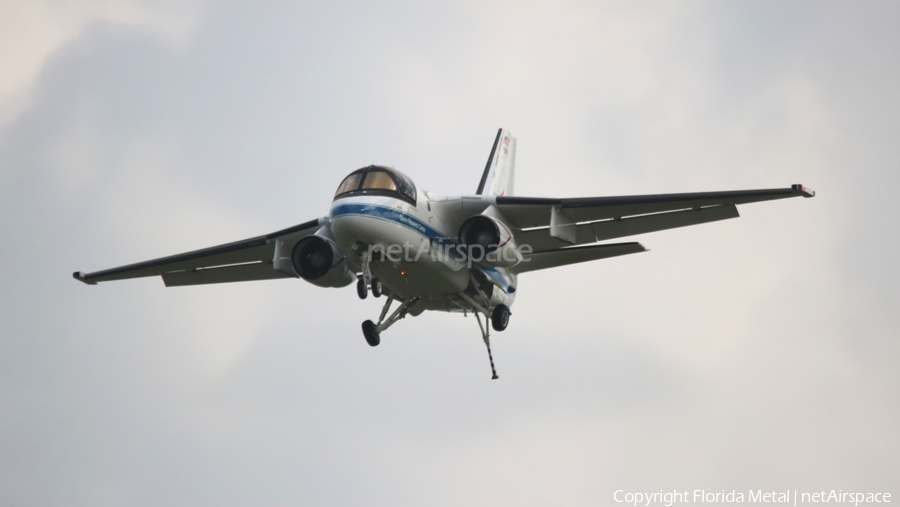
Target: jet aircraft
column 427, row 251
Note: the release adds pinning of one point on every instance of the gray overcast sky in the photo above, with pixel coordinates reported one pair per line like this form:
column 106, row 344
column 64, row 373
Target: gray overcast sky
column 755, row 353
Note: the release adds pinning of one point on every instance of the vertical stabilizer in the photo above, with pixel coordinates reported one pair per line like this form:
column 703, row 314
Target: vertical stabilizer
column 500, row 168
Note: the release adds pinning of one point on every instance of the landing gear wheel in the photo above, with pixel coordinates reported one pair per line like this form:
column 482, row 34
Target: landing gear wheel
column 361, row 290
column 376, row 287
column 500, row 317
column 370, row 331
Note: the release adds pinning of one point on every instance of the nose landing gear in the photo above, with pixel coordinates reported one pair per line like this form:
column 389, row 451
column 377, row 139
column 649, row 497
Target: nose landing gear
column 362, row 290
column 367, row 281
column 376, row 287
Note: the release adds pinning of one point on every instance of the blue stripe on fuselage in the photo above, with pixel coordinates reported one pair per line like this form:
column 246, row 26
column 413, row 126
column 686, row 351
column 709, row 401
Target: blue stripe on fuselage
column 392, row 215
column 497, row 276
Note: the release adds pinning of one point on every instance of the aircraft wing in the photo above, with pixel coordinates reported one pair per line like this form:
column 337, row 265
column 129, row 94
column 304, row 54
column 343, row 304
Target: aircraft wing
column 548, row 224
column 245, row 260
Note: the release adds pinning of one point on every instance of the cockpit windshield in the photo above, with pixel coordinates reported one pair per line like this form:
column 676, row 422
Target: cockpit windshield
column 377, row 180
column 349, row 184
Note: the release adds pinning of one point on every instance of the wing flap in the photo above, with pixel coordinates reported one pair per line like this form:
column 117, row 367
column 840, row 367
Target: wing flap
column 226, row 274
column 574, row 255
column 609, row 229
column 541, row 240
column 591, row 232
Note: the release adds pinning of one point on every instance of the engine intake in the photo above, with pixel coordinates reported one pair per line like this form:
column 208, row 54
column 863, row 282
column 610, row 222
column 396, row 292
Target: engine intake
column 312, row 257
column 489, row 241
column 480, row 231
column 318, row 261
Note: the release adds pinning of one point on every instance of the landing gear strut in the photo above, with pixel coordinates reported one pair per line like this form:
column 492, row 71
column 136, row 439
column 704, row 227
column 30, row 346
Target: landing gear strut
column 372, row 331
column 367, row 280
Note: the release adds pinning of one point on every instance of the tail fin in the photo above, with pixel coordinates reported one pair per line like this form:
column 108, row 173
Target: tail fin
column 500, row 169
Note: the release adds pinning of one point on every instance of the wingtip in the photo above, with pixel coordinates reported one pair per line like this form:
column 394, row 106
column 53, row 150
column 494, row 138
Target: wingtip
column 78, row 275
column 803, row 190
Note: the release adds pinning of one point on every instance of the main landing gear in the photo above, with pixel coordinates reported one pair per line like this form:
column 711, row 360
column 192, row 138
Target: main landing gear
column 372, row 331
column 500, row 317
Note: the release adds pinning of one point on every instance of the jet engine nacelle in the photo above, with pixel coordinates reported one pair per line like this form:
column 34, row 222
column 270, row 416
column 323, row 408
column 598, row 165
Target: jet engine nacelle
column 318, row 261
column 489, row 241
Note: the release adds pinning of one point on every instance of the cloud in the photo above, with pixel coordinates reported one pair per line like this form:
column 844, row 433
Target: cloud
column 31, row 32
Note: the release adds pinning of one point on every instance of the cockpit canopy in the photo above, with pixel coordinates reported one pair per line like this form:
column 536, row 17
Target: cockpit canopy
column 378, row 180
